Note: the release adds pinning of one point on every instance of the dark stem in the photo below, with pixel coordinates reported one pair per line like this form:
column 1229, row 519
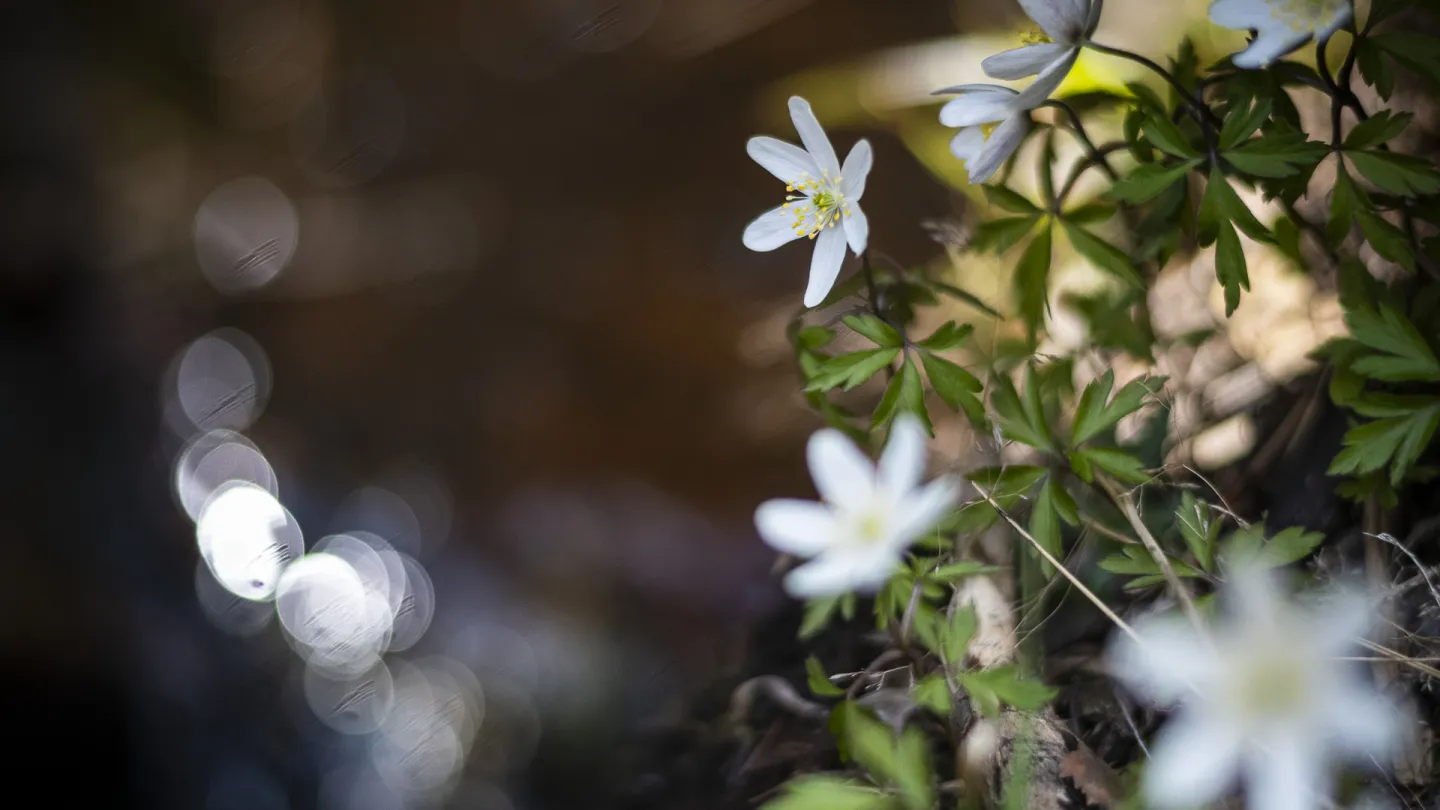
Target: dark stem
column 874, row 293
column 1078, row 127
column 1199, row 110
column 1096, row 159
column 1337, row 97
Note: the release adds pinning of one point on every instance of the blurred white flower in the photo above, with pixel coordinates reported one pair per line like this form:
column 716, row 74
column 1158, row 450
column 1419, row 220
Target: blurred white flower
column 869, row 515
column 1281, row 26
column 828, row 194
column 992, row 126
column 1267, row 699
column 1048, row 54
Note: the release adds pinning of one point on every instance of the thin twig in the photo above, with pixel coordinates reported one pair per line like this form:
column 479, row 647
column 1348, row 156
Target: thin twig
column 1059, row 566
column 1127, row 505
column 1386, row 538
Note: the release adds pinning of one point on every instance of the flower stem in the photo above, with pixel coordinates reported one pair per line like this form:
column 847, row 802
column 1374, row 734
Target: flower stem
column 1199, row 110
column 874, row 293
column 1132, row 514
column 1083, row 137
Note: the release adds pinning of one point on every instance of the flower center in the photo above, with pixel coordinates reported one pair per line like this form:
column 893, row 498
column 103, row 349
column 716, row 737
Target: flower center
column 989, row 129
column 1305, row 16
column 821, row 205
column 870, row 528
column 1272, row 686
column 1035, row 37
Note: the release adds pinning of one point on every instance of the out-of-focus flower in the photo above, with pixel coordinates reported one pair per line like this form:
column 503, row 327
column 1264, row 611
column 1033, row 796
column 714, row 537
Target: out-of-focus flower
column 828, row 194
column 869, row 516
column 1266, row 699
column 1281, row 25
column 1048, row 54
column 992, row 126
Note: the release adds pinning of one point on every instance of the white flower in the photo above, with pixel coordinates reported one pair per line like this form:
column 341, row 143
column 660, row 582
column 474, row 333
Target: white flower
column 992, row 126
column 869, row 515
column 1067, row 24
column 828, row 195
column 1282, row 25
column 1267, row 700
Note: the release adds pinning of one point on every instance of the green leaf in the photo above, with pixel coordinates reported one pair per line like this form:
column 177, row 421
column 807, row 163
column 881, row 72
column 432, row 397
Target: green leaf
column 988, row 688
column 947, row 337
column 912, row 394
column 1241, row 124
column 1397, row 439
column 1007, row 484
column 1147, row 99
column 1279, row 155
column 955, row 635
column 890, row 400
column 1118, row 463
column 1226, row 205
column 999, row 235
column 820, row 684
column 1230, row 268
column 1199, row 527
column 1149, row 180
column 1346, row 201
column 967, row 297
column 933, row 693
column 954, row 572
column 1102, row 254
column 1248, row 545
column 1045, row 523
column 1002, row 197
column 1090, row 214
column 1093, row 415
column 903, row 763
column 1414, row 52
column 1168, row 138
column 1375, row 67
column 821, row 792
column 818, row 612
column 1014, row 417
column 956, row 386
column 879, row 332
column 1389, row 241
column 1403, row 355
column 814, row 337
column 1032, row 280
column 850, row 370
column 1377, row 129
column 1401, row 175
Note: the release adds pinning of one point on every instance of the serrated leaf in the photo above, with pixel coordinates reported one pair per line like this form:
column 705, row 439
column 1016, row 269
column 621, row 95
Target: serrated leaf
column 1375, row 67
column 1045, row 524
column 1401, row 175
column 933, row 693
column 966, row 296
column 1387, row 240
column 1414, row 52
column 955, row 635
column 1118, row 463
column 821, row 792
column 1032, row 280
column 999, row 235
column 948, row 336
column 879, row 332
column 1013, row 417
column 1147, row 99
column 1377, row 129
column 1007, row 484
column 1148, row 180
column 1241, row 124
column 819, row 682
column 1346, row 201
column 956, row 386
column 1230, row 267
column 1276, row 156
column 1102, row 254
column 912, row 395
column 1094, row 415
column 850, row 370
column 1199, row 527
column 1002, row 197
column 988, row 688
column 1249, row 546
column 1395, row 440
column 1168, row 138
column 1403, row 353
column 890, row 400
column 1227, row 205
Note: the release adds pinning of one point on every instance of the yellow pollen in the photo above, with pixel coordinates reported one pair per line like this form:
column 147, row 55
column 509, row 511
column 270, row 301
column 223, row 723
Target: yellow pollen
column 1035, row 37
column 989, row 129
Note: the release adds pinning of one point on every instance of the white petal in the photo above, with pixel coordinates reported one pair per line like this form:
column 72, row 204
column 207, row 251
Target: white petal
column 813, row 136
column 902, row 465
column 837, row 573
column 1166, row 663
column 842, row 474
column 1342, row 622
column 825, row 265
column 1289, row 774
column 802, row 528
column 1271, row 44
column 1063, row 20
column 976, row 107
column 770, row 230
column 1192, row 762
column 856, row 169
column 1361, row 722
column 919, row 512
column 976, row 88
column 1342, row 14
column 1017, row 63
column 1049, row 79
column 784, row 160
column 994, row 152
column 966, row 145
column 1240, row 15
column 857, row 229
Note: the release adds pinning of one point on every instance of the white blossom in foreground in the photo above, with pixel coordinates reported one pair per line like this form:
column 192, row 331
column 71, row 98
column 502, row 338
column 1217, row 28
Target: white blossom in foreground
column 823, row 194
column 869, row 516
column 1047, row 56
column 1281, row 25
column 992, row 126
column 1267, row 701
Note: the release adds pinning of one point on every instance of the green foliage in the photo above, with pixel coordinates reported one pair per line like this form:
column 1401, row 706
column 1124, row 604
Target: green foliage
column 1097, row 411
column 989, row 688
column 823, row 792
column 1200, row 528
column 819, row 683
column 1287, row 546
